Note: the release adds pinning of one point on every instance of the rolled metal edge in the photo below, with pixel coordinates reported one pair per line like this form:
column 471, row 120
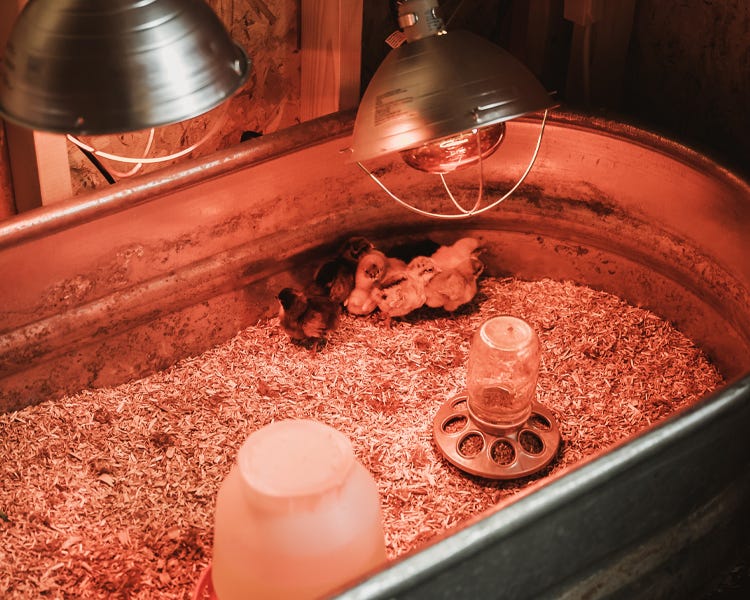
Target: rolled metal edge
column 563, row 537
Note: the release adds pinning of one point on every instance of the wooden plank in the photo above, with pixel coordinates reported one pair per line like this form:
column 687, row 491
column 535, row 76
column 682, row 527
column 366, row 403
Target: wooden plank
column 331, row 51
column 39, row 167
column 38, row 161
column 609, row 58
column 8, row 12
column 598, row 56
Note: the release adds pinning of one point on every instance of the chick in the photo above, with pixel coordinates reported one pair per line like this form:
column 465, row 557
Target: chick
column 371, row 268
column 448, row 257
column 398, row 294
column 422, row 267
column 360, row 302
column 335, row 277
column 393, row 263
column 454, row 287
column 403, row 290
column 354, row 248
column 307, row 319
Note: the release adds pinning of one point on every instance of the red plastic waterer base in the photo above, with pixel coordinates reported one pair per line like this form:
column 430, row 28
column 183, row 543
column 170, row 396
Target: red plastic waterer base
column 204, row 590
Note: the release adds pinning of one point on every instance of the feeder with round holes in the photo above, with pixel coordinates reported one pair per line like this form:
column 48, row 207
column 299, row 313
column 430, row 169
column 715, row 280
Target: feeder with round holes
column 496, row 429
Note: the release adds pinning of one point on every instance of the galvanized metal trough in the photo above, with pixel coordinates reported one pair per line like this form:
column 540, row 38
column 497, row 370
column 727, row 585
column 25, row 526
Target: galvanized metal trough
column 121, row 282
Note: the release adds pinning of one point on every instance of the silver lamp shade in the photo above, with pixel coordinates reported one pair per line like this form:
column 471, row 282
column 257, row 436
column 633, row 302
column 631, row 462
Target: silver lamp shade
column 108, row 66
column 438, row 86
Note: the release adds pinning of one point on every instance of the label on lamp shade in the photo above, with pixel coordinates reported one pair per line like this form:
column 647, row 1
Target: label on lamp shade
column 396, row 39
column 393, row 104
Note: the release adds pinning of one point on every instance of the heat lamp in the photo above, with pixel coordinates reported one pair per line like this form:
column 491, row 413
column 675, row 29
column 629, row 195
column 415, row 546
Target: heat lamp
column 114, row 66
column 441, row 100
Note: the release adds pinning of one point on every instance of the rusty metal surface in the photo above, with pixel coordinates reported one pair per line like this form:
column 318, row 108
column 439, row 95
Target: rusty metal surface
column 126, row 195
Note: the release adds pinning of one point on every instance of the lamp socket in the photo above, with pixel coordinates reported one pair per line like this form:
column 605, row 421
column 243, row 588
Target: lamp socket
column 419, row 19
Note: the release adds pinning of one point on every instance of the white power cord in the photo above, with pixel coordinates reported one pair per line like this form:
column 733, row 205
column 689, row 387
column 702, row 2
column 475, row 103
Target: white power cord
column 139, row 161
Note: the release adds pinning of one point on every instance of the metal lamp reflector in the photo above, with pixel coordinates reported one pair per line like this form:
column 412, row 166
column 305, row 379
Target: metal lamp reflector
column 109, row 66
column 442, row 100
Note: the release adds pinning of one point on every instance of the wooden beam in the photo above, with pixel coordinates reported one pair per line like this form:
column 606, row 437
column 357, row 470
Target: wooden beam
column 39, row 167
column 598, row 56
column 38, row 161
column 331, row 52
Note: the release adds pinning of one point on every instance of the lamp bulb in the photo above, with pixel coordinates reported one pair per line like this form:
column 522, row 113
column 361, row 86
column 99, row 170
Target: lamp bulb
column 456, row 151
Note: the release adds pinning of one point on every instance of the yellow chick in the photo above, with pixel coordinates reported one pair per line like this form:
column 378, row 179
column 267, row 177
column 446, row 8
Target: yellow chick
column 360, row 302
column 449, row 257
column 402, row 290
column 454, row 287
column 371, row 267
column 422, row 267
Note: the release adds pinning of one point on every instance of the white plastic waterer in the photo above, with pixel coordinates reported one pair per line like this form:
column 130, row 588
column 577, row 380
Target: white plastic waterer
column 297, row 517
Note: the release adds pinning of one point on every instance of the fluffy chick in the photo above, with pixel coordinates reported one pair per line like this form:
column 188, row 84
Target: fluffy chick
column 422, row 267
column 354, row 248
column 335, row 277
column 454, row 287
column 371, row 268
column 449, row 257
column 307, row 319
column 403, row 290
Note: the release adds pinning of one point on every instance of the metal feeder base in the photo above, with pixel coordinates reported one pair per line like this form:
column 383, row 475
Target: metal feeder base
column 511, row 454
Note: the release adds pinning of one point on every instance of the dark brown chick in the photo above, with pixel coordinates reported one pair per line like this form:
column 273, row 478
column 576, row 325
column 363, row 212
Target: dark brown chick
column 307, row 319
column 335, row 277
column 354, row 248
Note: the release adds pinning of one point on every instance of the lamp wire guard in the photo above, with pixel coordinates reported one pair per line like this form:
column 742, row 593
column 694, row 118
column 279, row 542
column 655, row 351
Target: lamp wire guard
column 463, row 213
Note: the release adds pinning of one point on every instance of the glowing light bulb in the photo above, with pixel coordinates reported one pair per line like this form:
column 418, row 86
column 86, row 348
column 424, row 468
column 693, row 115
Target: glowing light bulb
column 457, row 151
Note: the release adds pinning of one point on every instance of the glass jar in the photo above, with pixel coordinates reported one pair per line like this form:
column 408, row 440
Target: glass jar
column 502, row 373
column 297, row 517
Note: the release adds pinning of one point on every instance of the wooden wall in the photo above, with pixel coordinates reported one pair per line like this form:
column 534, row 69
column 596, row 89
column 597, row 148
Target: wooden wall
column 7, row 206
column 689, row 75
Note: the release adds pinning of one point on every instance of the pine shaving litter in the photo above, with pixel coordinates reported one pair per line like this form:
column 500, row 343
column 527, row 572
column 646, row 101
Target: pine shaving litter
column 110, row 493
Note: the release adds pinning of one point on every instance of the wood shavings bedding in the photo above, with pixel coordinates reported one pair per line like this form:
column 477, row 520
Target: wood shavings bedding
column 110, row 493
